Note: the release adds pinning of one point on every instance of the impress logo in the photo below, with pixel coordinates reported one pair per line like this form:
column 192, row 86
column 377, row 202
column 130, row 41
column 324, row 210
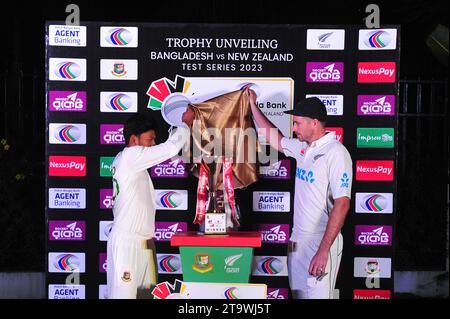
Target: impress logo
column 67, row 165
column 376, row 72
column 66, row 230
column 67, row 101
column 119, row 37
column 371, row 294
column 172, row 168
column 374, row 203
column 274, row 233
column 165, row 230
column 105, row 166
column 372, row 170
column 333, row 103
column 111, row 134
column 373, row 235
column 338, row 131
column 67, row 133
column 67, row 35
column 280, row 170
column 324, row 72
column 66, row 292
column 375, row 137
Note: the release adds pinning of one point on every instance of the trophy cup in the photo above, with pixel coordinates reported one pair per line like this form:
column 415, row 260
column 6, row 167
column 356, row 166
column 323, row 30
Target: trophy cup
column 215, row 217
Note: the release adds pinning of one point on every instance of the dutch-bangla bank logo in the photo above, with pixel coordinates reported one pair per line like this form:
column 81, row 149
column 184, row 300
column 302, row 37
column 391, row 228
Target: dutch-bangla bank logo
column 373, row 235
column 373, row 170
column 325, row 72
column 382, row 39
column 270, row 266
column 376, row 72
column 67, row 101
column 374, row 203
column 118, row 102
column 165, row 230
column 120, row 37
column 171, row 199
column 67, row 69
column 66, row 262
column 67, row 198
column 67, row 165
column 381, row 105
column 67, row 133
column 169, row 264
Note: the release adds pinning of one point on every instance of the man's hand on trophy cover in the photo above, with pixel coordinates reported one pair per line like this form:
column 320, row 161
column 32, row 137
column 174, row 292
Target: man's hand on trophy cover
column 188, row 116
column 252, row 97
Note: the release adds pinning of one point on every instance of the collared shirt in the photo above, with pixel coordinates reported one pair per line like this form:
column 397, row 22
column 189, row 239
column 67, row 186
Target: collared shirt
column 134, row 194
column 323, row 173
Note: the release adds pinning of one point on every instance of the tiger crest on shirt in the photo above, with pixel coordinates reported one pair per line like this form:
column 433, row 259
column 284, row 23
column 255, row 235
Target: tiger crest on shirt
column 126, row 277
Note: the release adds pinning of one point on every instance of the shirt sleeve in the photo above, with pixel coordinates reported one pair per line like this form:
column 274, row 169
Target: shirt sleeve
column 291, row 146
column 340, row 173
column 144, row 157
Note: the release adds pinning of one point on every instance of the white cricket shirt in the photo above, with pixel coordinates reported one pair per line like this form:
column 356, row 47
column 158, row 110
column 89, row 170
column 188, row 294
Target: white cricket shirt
column 134, row 194
column 323, row 173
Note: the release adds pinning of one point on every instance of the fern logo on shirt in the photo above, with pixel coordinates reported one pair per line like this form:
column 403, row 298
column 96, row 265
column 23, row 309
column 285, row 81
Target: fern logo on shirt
column 344, row 181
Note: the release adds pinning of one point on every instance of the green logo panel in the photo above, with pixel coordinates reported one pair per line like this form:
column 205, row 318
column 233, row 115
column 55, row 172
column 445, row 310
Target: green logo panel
column 375, row 137
column 105, row 166
column 216, row 264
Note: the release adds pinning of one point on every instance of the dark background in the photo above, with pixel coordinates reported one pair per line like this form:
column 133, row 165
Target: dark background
column 422, row 201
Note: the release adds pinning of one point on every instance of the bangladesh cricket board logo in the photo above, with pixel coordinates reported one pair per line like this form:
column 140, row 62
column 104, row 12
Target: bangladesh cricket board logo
column 202, row 263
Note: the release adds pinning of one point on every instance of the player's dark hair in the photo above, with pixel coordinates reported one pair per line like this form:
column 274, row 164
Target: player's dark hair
column 137, row 124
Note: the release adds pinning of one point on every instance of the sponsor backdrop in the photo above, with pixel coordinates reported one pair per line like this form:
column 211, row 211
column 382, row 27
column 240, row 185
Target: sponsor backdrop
column 98, row 74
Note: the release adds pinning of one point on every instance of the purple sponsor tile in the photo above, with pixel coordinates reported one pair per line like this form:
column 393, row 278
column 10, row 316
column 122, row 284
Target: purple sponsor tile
column 169, row 169
column 106, row 195
column 67, row 101
column 277, row 293
column 279, row 170
column 274, row 233
column 66, row 230
column 102, row 262
column 165, row 230
column 373, row 105
column 324, row 72
column 111, row 134
column 373, row 235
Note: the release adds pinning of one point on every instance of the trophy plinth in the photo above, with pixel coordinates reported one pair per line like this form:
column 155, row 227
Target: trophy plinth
column 215, row 217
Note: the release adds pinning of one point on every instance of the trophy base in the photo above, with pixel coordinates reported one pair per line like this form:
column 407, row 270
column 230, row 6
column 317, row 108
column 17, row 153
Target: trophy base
column 215, row 224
